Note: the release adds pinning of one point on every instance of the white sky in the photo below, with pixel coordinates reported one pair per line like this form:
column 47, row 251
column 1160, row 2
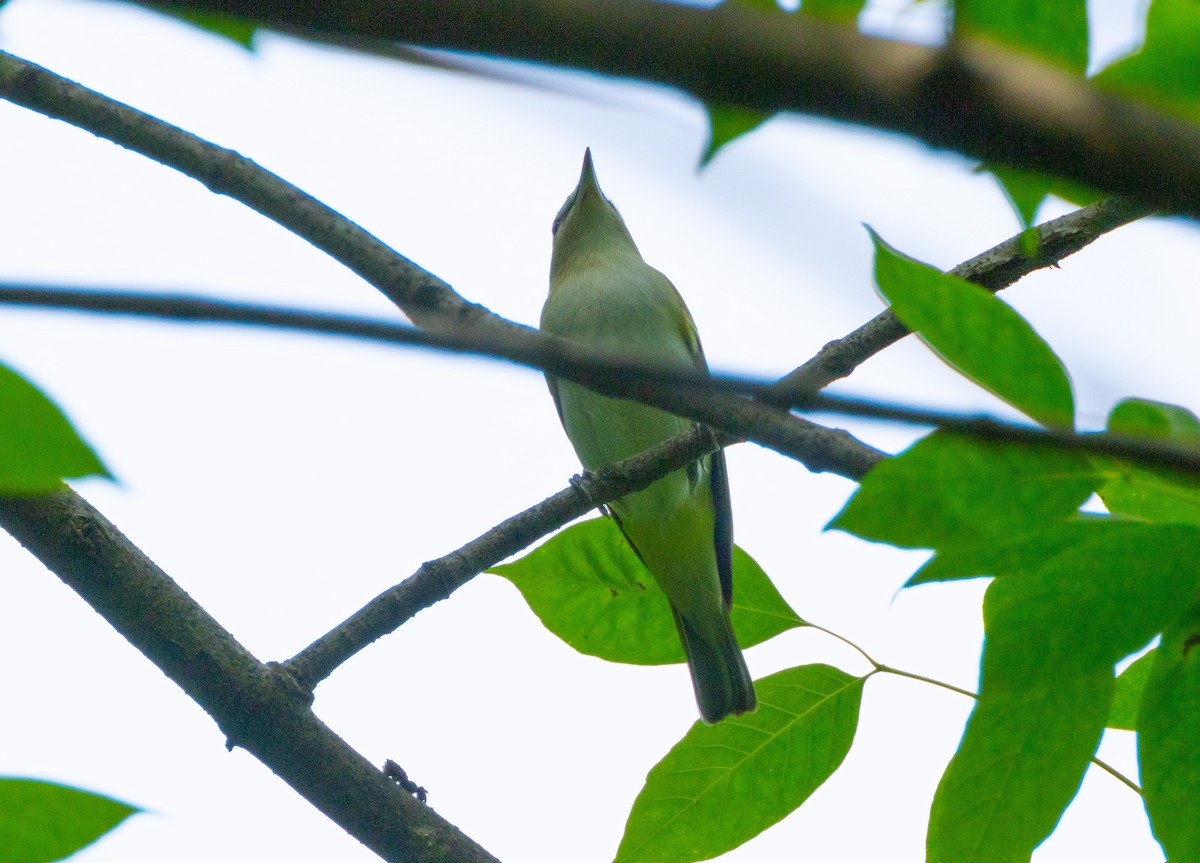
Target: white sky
column 285, row 480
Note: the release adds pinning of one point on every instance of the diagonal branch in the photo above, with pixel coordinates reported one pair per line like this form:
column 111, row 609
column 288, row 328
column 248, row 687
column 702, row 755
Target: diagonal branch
column 995, row 269
column 257, row 706
column 970, row 96
column 619, row 377
column 437, row 579
column 427, row 300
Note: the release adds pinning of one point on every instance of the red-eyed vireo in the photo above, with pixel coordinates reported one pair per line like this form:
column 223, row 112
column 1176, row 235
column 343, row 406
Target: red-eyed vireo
column 604, row 295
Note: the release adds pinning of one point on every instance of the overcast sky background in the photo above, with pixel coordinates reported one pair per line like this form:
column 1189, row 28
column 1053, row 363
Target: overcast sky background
column 284, row 480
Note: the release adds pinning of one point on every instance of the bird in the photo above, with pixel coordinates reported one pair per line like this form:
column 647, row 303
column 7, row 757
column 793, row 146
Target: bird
column 603, row 295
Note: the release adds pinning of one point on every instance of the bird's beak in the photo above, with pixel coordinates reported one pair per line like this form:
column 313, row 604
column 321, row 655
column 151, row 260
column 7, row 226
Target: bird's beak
column 587, row 177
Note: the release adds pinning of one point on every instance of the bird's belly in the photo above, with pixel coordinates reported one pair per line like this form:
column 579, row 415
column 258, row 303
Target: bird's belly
column 605, row 430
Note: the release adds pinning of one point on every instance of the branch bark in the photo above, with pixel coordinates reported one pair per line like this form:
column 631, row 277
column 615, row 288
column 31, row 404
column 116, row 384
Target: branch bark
column 427, row 300
column 437, row 579
column 995, row 269
column 257, row 706
column 969, row 96
column 262, row 707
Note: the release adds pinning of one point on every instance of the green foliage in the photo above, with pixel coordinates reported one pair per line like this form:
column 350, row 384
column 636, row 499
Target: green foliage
column 1054, row 31
column 42, row 821
column 840, row 11
column 955, row 493
column 1156, row 495
column 38, row 445
column 236, row 30
column 724, row 784
column 1127, row 697
column 1052, row 637
column 1164, row 72
column 1027, row 190
column 588, row 587
column 1145, row 418
column 1169, row 739
column 977, row 333
column 1072, row 595
column 726, row 124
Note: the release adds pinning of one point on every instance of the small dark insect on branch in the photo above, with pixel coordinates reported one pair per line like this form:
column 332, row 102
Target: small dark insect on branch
column 395, row 772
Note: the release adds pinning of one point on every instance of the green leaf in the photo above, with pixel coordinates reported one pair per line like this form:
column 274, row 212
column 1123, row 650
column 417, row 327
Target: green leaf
column 1054, row 31
column 976, row 333
column 42, row 821
column 236, row 30
column 948, row 490
column 1025, row 190
column 726, row 124
column 38, row 445
column 764, row 5
column 838, row 11
column 1146, row 418
column 1004, row 555
column 1020, row 762
column 1128, row 695
column 1052, row 637
column 966, row 497
column 1169, row 740
column 1153, row 494
column 1164, row 72
column 588, row 587
column 723, row 784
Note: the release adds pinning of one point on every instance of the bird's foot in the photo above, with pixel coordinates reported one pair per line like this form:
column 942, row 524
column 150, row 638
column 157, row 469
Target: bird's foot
column 581, row 482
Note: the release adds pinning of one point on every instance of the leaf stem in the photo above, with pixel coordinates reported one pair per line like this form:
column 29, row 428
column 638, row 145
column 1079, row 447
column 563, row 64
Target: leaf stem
column 847, row 642
column 879, row 667
column 1112, row 771
column 887, row 669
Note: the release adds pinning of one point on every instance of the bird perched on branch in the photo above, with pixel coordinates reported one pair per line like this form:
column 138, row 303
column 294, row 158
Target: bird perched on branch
column 602, row 294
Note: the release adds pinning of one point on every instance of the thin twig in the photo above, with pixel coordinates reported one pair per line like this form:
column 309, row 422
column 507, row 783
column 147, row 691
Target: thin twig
column 437, row 579
column 1145, row 451
column 620, row 377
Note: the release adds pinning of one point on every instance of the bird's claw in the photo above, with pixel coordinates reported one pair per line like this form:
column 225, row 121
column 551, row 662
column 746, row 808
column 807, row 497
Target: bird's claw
column 581, row 483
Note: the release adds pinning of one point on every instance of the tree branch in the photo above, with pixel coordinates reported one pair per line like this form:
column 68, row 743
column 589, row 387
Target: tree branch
column 970, row 96
column 995, row 269
column 257, row 706
column 714, row 400
column 1148, row 452
column 427, row 300
column 620, row 377
column 437, row 579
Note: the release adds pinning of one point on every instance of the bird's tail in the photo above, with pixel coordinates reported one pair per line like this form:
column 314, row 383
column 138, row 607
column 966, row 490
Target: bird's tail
column 719, row 674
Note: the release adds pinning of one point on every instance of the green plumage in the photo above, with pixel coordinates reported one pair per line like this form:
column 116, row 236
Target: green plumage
column 604, row 295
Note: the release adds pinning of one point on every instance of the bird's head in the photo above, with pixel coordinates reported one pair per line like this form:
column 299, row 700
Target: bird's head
column 588, row 224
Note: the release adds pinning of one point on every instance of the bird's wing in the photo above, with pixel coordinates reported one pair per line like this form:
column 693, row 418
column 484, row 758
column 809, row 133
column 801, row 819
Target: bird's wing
column 722, row 524
column 552, row 383
column 718, row 479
